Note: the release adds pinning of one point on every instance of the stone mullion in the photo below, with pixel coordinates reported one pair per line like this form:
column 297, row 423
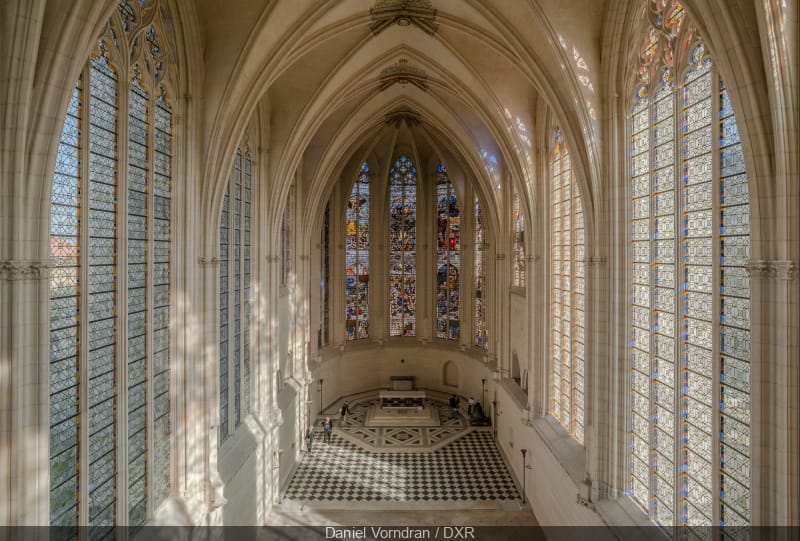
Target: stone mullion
column 149, row 307
column 651, row 286
column 716, row 251
column 677, row 142
column 83, row 303
column 121, row 365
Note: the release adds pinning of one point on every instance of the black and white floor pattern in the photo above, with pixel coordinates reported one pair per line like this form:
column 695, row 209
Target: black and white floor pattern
column 470, row 468
column 410, row 438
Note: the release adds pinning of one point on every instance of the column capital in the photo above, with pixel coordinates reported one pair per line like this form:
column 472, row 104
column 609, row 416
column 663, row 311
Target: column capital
column 208, row 261
column 781, row 269
column 25, row 269
column 594, row 260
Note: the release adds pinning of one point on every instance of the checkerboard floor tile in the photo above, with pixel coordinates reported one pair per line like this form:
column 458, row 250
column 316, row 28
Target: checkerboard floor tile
column 469, row 468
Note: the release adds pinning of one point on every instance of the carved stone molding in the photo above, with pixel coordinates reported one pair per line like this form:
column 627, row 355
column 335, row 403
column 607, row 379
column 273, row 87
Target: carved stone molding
column 208, row 261
column 410, row 118
column 22, row 269
column 533, row 258
column 403, row 13
column 787, row 270
column 403, row 73
column 781, row 269
column 594, row 260
column 273, row 258
column 500, row 257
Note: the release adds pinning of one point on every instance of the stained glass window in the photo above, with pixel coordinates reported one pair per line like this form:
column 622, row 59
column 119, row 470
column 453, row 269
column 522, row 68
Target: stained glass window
column 101, row 209
column 689, row 292
column 235, row 295
column 518, row 218
column 102, row 294
column 448, row 257
column 567, row 294
column 402, row 247
column 356, row 287
column 138, row 176
column 481, row 338
column 237, row 289
column 286, row 240
column 325, row 308
column 224, row 277
column 66, row 317
column 247, row 293
column 162, row 271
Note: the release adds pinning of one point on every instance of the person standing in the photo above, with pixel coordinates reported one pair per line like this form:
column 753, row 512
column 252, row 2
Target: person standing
column 327, row 428
column 345, row 412
column 309, row 438
column 470, row 405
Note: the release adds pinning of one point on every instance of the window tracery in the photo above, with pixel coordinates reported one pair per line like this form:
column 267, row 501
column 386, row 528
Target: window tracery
column 689, row 293
column 110, row 290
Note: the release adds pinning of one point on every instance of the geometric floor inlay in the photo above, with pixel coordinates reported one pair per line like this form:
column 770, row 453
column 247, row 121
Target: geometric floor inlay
column 409, row 438
column 469, row 468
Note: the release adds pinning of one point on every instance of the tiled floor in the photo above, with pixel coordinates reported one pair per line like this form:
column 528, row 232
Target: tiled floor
column 399, row 438
column 465, row 470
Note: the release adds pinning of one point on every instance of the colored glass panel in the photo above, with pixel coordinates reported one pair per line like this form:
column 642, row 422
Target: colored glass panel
column 448, row 257
column 356, row 287
column 402, row 248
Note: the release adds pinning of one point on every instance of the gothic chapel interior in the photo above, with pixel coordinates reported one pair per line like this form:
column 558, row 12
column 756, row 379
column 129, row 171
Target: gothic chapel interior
column 222, row 222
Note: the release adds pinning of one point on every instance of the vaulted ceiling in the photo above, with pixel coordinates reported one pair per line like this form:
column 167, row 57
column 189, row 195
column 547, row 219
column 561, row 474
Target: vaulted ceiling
column 330, row 75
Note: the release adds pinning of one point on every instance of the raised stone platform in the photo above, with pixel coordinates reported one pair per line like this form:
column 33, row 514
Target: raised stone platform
column 422, row 414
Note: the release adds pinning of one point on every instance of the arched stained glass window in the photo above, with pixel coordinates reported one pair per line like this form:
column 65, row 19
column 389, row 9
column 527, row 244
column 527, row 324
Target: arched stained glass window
column 448, row 257
column 518, row 218
column 567, row 294
column 235, row 294
column 481, row 338
column 325, row 306
column 287, row 265
column 356, row 288
column 110, row 296
column 689, row 430
column 402, row 248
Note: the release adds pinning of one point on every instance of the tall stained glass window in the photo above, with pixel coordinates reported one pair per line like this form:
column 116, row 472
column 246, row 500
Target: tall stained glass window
column 518, row 222
column 356, row 286
column 286, row 240
column 325, row 306
column 567, row 294
column 402, row 248
column 689, row 308
column 235, row 293
column 448, row 257
column 109, row 314
column 480, row 339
